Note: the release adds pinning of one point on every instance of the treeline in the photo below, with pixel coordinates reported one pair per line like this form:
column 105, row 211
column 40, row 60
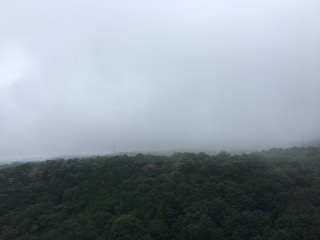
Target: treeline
column 274, row 194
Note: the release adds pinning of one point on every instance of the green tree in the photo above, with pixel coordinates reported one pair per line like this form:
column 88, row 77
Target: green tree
column 126, row 227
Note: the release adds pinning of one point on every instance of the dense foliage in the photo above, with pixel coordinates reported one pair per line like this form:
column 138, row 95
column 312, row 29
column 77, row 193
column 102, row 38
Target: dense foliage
column 270, row 195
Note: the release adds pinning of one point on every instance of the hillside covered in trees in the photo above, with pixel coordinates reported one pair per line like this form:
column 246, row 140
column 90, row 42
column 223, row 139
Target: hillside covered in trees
column 273, row 194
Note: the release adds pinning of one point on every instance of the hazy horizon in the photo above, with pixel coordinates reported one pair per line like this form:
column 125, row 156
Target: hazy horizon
column 80, row 77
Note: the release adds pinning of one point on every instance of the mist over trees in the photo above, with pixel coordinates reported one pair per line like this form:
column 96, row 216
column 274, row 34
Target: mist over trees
column 273, row 194
column 90, row 78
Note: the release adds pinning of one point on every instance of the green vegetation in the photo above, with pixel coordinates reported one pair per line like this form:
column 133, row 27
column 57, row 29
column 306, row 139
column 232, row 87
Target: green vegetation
column 270, row 195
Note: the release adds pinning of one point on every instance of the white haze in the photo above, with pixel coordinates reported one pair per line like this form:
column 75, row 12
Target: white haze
column 83, row 77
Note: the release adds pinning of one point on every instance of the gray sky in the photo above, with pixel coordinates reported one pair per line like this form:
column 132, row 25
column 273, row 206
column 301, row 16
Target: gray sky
column 78, row 77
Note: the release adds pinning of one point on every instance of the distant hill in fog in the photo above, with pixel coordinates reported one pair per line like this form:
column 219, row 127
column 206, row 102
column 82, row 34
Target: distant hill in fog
column 213, row 150
column 311, row 143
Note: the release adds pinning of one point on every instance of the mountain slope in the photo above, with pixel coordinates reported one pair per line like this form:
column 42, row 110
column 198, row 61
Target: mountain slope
column 274, row 194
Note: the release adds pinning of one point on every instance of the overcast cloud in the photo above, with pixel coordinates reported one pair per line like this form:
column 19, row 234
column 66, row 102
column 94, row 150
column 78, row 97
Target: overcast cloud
column 80, row 77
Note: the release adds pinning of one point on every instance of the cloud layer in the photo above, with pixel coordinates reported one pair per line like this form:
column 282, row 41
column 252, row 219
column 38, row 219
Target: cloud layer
column 79, row 77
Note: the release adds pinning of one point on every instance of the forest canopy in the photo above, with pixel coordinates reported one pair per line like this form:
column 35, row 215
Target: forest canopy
column 273, row 194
